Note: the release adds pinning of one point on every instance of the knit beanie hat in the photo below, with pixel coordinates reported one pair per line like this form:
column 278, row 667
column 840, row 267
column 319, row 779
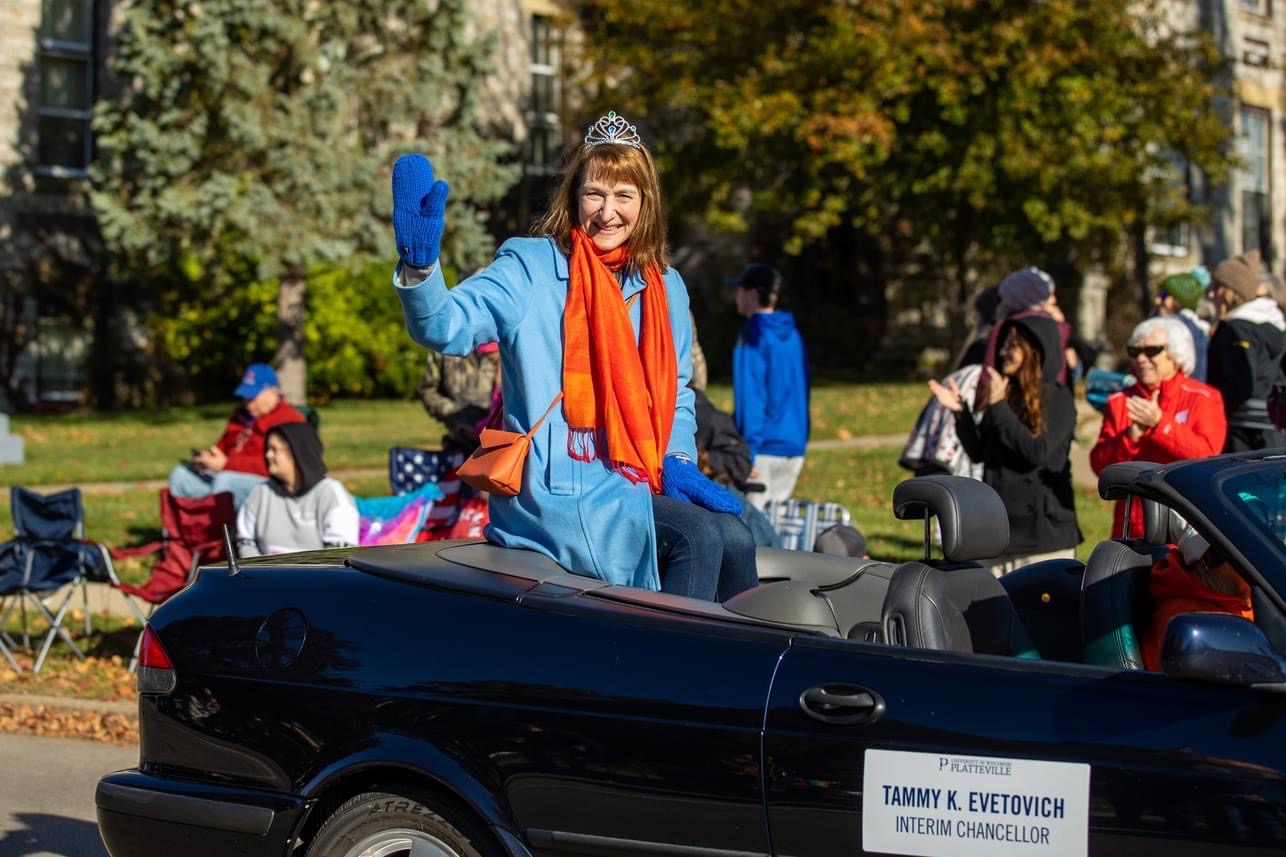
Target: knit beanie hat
column 1184, row 288
column 1240, row 274
column 1025, row 288
column 985, row 303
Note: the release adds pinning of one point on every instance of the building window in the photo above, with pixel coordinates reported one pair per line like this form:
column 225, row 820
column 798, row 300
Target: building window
column 1257, row 7
column 66, row 64
column 1256, row 209
column 544, row 139
column 1174, row 239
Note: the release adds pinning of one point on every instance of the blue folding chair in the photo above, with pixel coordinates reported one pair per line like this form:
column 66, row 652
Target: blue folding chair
column 48, row 553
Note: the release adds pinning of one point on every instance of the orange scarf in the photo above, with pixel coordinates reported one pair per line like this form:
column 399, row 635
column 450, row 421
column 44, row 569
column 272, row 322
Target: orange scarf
column 616, row 393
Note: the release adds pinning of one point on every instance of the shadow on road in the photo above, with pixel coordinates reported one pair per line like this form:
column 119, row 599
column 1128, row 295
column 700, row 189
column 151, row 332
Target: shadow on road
column 41, row 833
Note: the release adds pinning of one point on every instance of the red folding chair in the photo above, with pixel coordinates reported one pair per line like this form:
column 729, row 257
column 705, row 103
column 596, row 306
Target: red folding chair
column 191, row 534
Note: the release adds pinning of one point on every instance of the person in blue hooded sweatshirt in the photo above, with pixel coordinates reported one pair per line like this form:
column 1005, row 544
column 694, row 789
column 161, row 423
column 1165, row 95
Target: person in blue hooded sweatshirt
column 770, row 384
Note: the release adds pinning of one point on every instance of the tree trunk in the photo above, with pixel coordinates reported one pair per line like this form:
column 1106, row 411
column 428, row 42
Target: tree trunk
column 292, row 370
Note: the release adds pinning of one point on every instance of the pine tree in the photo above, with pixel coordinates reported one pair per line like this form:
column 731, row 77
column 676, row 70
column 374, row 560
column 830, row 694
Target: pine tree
column 246, row 135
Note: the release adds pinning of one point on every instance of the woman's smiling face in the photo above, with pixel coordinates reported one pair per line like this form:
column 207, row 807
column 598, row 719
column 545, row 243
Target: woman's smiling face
column 609, row 211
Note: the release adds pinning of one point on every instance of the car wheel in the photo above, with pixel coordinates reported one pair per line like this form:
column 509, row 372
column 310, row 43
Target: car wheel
column 410, row 824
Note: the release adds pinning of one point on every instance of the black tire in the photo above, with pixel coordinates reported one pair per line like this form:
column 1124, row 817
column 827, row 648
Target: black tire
column 409, row 823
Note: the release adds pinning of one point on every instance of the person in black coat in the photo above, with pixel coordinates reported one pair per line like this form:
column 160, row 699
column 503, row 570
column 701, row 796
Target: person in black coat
column 1245, row 352
column 1022, row 436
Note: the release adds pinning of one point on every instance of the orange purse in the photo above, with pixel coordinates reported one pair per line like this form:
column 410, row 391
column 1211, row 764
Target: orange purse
column 496, row 465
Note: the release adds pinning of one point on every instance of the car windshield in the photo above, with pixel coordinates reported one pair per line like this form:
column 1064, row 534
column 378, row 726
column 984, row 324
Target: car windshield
column 1260, row 496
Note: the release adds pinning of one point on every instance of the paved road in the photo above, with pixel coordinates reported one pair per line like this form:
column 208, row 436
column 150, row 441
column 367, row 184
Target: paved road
column 47, row 794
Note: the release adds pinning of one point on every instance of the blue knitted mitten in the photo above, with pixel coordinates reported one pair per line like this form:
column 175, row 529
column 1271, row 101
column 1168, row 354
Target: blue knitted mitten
column 419, row 210
column 682, row 480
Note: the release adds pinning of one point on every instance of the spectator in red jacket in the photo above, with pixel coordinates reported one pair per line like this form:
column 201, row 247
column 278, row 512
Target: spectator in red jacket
column 1164, row 417
column 235, row 462
column 1191, row 578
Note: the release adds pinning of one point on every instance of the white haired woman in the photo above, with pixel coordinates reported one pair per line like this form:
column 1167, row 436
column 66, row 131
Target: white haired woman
column 1166, row 416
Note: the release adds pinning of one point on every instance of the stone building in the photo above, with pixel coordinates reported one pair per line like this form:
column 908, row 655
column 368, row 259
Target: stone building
column 1249, row 213
column 52, row 65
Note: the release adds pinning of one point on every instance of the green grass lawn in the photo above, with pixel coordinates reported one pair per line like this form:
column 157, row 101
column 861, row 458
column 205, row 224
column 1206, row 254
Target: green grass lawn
column 842, row 409
column 82, row 448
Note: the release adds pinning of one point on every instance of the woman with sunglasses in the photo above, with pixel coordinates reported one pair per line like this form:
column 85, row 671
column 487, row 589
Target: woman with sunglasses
column 1022, row 436
column 1166, row 416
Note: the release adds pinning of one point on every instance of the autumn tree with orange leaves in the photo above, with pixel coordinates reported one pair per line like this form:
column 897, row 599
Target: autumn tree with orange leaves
column 965, row 136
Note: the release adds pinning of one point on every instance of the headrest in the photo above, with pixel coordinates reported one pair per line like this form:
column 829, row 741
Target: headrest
column 961, row 610
column 1156, row 522
column 970, row 514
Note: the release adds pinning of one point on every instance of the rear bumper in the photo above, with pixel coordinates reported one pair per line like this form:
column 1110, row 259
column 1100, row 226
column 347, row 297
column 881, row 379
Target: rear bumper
column 140, row 814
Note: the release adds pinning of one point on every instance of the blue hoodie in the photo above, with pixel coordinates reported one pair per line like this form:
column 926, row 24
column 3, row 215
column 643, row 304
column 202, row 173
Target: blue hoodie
column 770, row 382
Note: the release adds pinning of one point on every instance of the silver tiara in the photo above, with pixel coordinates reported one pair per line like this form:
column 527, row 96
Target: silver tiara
column 613, row 129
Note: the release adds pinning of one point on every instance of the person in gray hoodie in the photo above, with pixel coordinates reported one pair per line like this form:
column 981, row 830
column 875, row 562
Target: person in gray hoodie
column 1245, row 352
column 299, row 508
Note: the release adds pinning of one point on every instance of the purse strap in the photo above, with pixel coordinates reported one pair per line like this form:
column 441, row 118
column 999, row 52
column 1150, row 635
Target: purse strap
column 547, row 412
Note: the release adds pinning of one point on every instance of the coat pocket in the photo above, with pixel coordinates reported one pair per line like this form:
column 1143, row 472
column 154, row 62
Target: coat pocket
column 560, row 468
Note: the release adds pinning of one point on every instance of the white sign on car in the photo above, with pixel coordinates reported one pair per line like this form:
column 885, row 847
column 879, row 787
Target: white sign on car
column 933, row 805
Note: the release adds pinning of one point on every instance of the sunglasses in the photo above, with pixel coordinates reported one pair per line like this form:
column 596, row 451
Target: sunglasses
column 1150, row 350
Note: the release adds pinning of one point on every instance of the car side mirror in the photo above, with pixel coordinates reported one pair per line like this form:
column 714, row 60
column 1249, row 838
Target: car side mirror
column 1221, row 649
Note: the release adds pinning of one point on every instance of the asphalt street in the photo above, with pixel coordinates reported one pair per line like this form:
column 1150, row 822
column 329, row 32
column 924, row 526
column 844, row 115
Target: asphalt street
column 47, row 794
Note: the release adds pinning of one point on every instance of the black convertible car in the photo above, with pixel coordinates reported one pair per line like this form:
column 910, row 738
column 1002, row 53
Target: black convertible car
column 461, row 699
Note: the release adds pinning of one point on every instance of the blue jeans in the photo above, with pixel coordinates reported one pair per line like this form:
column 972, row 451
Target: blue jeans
column 702, row 554
column 189, row 482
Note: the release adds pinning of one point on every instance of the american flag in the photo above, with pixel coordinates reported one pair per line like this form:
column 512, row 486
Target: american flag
column 409, row 468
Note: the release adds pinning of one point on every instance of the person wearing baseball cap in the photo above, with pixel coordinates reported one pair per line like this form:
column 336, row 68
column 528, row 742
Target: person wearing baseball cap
column 770, row 384
column 1245, row 352
column 235, row 462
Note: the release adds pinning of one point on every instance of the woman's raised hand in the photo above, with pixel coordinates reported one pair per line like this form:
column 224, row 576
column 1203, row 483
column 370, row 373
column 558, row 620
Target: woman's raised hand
column 419, row 210
column 948, row 396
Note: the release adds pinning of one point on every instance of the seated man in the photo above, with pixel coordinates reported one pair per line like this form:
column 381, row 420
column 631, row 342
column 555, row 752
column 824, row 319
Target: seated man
column 1192, row 578
column 299, row 508
column 235, row 462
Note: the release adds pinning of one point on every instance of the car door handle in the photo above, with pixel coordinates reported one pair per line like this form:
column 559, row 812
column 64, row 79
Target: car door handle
column 842, row 704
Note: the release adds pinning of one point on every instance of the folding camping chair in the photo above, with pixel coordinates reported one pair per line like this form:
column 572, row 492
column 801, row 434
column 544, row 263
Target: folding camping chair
column 48, row 552
column 191, row 534
column 799, row 522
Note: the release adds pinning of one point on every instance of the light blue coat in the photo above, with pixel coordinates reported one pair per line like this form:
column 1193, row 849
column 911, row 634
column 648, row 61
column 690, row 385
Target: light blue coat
column 589, row 519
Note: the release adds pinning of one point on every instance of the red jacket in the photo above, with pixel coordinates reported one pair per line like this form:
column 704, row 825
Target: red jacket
column 243, row 439
column 1193, row 425
column 1172, row 591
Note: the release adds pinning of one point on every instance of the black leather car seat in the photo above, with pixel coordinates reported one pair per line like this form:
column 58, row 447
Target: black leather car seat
column 1114, row 591
column 954, row 604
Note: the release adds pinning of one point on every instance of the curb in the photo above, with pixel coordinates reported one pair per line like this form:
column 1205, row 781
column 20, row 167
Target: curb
column 124, row 708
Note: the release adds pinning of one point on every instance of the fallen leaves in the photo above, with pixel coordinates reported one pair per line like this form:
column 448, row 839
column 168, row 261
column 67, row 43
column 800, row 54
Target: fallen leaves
column 53, row 721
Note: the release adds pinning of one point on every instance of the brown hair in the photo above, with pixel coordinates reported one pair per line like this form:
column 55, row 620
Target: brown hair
column 1024, row 396
column 611, row 162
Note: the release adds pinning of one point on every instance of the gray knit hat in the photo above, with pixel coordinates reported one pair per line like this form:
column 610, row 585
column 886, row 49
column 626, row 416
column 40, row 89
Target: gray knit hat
column 1240, row 274
column 1025, row 288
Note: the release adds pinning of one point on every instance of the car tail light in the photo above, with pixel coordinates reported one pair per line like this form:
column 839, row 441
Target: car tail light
column 155, row 670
